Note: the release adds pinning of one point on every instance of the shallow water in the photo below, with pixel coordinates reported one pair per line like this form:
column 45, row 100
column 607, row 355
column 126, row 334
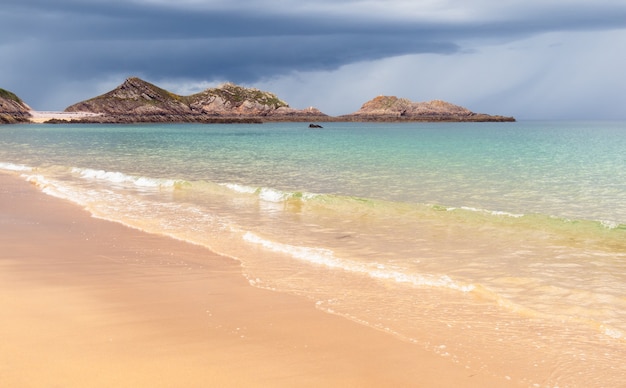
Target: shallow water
column 470, row 239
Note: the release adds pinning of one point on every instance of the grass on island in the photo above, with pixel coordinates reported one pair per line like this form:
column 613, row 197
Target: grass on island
column 9, row 96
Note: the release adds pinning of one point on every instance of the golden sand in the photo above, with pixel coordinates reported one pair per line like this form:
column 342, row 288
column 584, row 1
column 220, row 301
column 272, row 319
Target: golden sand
column 90, row 303
column 43, row 116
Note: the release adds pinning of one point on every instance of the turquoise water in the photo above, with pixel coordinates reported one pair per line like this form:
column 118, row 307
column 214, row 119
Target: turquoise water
column 468, row 239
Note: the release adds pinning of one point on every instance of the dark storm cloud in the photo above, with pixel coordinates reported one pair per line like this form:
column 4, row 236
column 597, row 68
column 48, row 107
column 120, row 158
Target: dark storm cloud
column 239, row 59
column 80, row 40
column 49, row 41
column 211, row 43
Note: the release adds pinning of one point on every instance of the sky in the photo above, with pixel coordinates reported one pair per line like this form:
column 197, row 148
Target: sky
column 531, row 59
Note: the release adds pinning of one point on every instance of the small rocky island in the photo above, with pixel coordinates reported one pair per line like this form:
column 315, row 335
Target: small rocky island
column 138, row 101
column 392, row 109
column 12, row 109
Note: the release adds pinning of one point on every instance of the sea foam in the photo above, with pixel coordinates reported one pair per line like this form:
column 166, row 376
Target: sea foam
column 239, row 188
column 326, row 257
column 14, row 167
column 121, row 178
column 268, row 194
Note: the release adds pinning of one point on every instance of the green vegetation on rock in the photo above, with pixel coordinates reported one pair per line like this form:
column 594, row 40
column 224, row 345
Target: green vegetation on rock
column 236, row 95
column 9, row 96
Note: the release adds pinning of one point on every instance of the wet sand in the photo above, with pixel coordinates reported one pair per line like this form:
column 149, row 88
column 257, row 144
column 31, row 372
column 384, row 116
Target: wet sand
column 91, row 303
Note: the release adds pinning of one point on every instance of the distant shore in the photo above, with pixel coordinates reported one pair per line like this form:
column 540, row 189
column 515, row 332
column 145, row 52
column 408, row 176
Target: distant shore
column 44, row 116
column 54, row 117
column 138, row 101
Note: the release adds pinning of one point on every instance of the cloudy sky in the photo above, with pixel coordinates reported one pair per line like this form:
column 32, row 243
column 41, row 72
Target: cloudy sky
column 532, row 59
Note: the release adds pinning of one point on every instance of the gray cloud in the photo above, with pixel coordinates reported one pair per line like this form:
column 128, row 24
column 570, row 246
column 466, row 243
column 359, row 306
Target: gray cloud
column 86, row 44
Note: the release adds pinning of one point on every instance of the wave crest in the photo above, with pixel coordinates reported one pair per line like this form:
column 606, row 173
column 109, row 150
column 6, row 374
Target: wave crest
column 327, row 258
column 124, row 179
column 14, row 167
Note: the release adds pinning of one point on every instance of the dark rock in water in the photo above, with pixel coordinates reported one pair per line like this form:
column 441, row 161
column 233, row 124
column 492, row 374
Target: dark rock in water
column 315, row 126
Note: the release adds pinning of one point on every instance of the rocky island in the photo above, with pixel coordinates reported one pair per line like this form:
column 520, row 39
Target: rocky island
column 138, row 101
column 391, row 109
column 12, row 109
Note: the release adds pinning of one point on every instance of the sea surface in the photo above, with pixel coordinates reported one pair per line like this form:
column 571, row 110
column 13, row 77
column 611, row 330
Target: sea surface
column 501, row 246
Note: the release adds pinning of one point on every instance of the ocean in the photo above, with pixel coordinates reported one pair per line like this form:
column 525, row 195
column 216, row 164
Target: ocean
column 501, row 246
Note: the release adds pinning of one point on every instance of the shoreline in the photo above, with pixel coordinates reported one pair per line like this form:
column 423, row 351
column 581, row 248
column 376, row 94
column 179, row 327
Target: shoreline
column 62, row 117
column 88, row 302
column 94, row 118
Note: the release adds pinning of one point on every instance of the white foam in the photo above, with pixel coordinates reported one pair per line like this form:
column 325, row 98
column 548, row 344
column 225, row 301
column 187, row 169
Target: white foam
column 506, row 214
column 153, row 182
column 271, row 195
column 14, row 167
column 326, row 257
column 312, row 255
column 121, row 178
column 268, row 194
column 50, row 188
column 492, row 212
column 610, row 224
column 239, row 188
column 442, row 281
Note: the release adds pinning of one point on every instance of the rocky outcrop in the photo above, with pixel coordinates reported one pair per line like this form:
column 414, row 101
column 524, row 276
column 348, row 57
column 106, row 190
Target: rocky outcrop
column 139, row 101
column 391, row 108
column 12, row 109
column 134, row 97
column 234, row 100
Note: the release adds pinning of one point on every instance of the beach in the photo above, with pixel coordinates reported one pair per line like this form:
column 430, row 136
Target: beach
column 88, row 303
column 39, row 117
column 429, row 255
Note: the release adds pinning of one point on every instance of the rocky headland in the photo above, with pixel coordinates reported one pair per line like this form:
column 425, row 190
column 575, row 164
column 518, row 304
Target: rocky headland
column 12, row 109
column 138, row 101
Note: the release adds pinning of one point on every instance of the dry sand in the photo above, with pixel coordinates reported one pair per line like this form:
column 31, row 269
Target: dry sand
column 90, row 303
column 43, row 116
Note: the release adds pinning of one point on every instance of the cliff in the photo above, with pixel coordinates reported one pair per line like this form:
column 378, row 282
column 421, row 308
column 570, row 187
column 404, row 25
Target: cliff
column 139, row 101
column 12, row 109
column 391, row 108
